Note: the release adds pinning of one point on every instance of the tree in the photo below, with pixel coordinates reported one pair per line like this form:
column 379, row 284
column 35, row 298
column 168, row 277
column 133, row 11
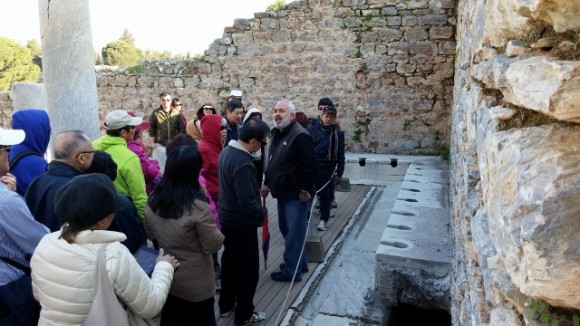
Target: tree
column 121, row 53
column 34, row 48
column 127, row 37
column 277, row 5
column 15, row 64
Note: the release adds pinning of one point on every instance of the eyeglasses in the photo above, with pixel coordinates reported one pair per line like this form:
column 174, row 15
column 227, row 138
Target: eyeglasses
column 222, row 127
column 208, row 108
column 84, row 152
column 264, row 142
column 5, row 148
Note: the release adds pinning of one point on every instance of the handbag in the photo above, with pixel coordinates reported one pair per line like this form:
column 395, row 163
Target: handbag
column 106, row 308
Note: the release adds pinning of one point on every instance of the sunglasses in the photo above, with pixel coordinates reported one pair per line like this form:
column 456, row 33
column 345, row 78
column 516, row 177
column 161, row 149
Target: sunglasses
column 264, row 142
column 222, row 127
column 5, row 148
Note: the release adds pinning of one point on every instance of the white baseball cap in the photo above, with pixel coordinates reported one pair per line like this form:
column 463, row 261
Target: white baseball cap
column 118, row 119
column 11, row 136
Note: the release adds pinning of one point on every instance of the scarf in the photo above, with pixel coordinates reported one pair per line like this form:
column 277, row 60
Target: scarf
column 332, row 154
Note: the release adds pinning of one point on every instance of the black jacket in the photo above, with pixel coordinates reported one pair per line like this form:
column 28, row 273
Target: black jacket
column 291, row 166
column 239, row 201
column 42, row 190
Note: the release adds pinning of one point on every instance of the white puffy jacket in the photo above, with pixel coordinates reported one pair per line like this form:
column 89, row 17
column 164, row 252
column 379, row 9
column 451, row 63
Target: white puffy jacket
column 63, row 276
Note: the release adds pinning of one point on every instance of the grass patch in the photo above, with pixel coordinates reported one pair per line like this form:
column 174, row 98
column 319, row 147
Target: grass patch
column 525, row 118
column 136, row 69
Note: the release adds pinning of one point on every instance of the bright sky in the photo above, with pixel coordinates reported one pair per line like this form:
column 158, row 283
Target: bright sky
column 179, row 26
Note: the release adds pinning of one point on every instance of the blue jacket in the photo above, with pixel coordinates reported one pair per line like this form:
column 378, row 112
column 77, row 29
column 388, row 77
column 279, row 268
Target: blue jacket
column 42, row 190
column 321, row 137
column 36, row 125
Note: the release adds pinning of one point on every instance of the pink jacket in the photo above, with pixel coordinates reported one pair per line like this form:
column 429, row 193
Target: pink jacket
column 150, row 167
column 212, row 205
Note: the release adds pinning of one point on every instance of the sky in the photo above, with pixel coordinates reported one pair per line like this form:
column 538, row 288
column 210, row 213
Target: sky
column 178, row 26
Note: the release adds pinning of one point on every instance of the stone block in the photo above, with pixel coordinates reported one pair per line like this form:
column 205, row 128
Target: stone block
column 409, row 21
column 390, row 34
column 406, row 68
column 241, row 23
column 425, row 48
column 442, row 4
column 367, row 50
column 398, row 48
column 416, row 34
column 545, row 85
column 394, row 21
column 343, row 12
column 376, row 22
column 417, row 4
column 515, row 48
column 530, row 181
column 351, row 22
column 447, row 47
column 433, row 20
column 561, row 14
column 389, row 11
column 281, row 36
column 444, row 32
column 269, row 23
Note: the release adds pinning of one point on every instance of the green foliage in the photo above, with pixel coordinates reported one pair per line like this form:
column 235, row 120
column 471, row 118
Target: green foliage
column 277, row 5
column 16, row 64
column 368, row 17
column 137, row 69
column 445, row 154
column 357, row 135
column 364, row 67
column 158, row 55
column 127, row 37
column 34, row 48
column 121, row 53
column 548, row 315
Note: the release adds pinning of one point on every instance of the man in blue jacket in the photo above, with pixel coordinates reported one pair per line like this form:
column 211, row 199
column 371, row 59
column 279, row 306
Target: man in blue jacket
column 27, row 158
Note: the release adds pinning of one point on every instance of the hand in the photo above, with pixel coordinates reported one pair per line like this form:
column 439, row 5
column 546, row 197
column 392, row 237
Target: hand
column 264, row 191
column 337, row 180
column 170, row 259
column 9, row 180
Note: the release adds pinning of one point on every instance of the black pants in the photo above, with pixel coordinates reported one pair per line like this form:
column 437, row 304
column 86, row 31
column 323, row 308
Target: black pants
column 17, row 304
column 177, row 311
column 240, row 268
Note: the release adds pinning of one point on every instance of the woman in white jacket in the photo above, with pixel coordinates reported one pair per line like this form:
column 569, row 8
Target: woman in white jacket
column 64, row 263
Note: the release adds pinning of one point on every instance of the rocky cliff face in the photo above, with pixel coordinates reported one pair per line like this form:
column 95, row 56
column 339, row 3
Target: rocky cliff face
column 515, row 152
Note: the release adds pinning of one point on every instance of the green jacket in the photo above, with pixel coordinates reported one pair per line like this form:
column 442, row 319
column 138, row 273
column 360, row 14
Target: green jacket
column 130, row 179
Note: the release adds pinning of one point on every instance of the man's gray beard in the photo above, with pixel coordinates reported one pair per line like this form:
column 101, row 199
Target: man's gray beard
column 285, row 123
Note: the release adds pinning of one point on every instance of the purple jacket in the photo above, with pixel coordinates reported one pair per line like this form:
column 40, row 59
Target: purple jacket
column 150, row 167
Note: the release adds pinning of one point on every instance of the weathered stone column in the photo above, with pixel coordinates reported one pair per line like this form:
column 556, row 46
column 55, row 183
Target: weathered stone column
column 68, row 66
column 27, row 96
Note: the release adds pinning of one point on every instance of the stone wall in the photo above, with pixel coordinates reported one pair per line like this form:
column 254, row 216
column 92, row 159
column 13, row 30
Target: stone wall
column 388, row 66
column 515, row 174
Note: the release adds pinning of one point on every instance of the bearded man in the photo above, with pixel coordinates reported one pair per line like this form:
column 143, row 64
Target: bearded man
column 290, row 176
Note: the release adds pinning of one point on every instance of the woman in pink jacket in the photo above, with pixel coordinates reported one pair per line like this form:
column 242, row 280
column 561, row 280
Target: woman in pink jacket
column 150, row 166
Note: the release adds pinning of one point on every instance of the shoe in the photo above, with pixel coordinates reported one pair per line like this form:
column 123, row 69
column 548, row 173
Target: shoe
column 333, row 204
column 227, row 313
column 303, row 270
column 322, row 226
column 257, row 317
column 279, row 277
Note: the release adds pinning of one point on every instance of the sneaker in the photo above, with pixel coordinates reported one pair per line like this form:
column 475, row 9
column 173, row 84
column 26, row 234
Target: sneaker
column 279, row 277
column 227, row 313
column 322, row 226
column 257, row 317
column 333, row 204
column 303, row 270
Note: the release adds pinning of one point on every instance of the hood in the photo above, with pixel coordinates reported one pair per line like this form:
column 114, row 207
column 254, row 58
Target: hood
column 106, row 141
column 250, row 113
column 36, row 125
column 210, row 129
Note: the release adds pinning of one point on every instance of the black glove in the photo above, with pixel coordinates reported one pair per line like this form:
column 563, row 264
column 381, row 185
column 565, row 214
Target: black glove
column 337, row 180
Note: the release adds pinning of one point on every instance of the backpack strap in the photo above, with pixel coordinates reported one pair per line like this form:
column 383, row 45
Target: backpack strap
column 21, row 155
column 16, row 264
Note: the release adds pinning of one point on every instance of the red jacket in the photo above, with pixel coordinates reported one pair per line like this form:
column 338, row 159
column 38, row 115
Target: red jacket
column 210, row 148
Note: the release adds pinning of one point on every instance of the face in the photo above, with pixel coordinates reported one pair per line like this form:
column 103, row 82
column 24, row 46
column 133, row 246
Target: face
column 328, row 119
column 4, row 150
column 282, row 115
column 165, row 102
column 128, row 134
column 223, row 130
column 207, row 111
column 106, row 221
column 84, row 157
column 178, row 106
column 321, row 110
column 235, row 116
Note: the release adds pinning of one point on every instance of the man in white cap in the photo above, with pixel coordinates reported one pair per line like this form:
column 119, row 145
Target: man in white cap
column 130, row 180
column 19, row 236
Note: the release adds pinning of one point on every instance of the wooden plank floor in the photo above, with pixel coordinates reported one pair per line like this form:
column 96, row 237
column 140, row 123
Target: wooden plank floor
column 270, row 295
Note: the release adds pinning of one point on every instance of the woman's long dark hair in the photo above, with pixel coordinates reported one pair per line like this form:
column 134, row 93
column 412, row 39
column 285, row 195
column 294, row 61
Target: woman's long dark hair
column 180, row 187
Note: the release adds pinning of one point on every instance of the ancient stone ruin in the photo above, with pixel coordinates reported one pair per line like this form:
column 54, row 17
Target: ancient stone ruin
column 496, row 81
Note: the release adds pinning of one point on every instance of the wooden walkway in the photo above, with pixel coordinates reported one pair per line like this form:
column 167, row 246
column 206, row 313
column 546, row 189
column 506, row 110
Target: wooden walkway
column 270, row 295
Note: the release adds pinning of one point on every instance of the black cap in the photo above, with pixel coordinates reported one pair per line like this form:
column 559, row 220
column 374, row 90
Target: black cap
column 329, row 109
column 87, row 199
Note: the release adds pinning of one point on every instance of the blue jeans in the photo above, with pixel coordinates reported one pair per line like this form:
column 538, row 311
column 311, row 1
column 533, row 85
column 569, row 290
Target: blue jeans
column 293, row 221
